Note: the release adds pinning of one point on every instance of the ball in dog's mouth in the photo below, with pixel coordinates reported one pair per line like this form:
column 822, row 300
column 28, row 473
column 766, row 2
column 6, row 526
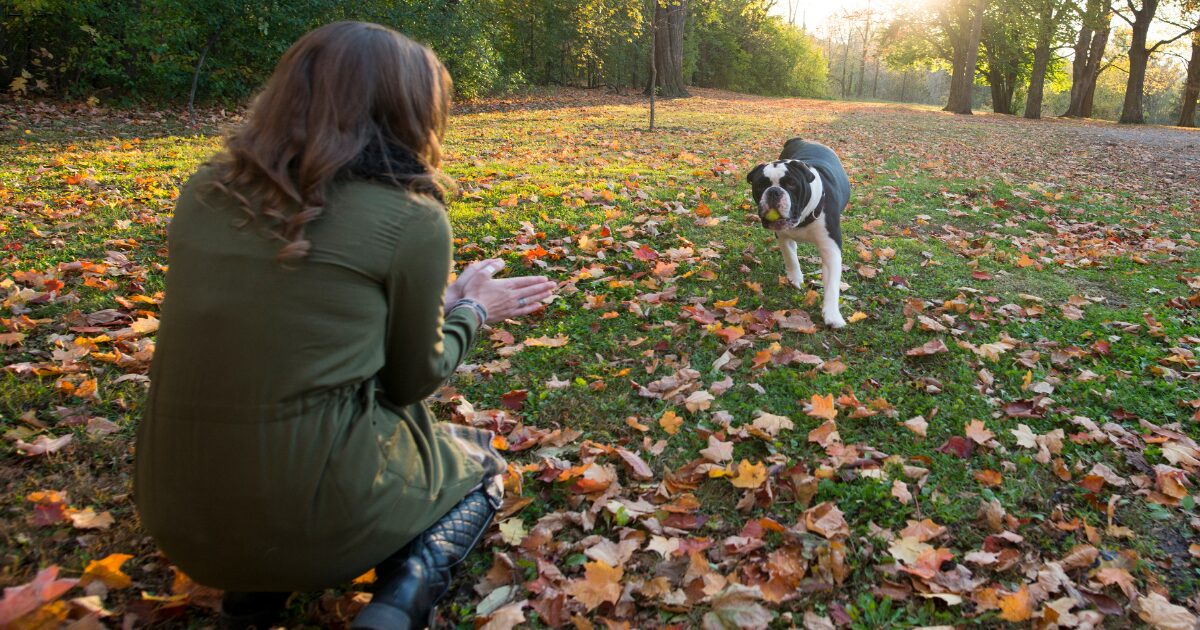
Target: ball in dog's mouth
column 773, row 215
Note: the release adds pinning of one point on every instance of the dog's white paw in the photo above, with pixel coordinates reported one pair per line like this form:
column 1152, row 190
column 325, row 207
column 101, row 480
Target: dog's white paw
column 833, row 319
column 797, row 280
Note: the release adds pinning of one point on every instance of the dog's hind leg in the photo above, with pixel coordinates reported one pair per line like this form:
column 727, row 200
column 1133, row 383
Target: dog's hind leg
column 831, row 275
column 792, row 264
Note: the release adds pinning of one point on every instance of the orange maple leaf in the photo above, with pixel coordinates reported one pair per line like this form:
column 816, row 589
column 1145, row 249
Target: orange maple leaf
column 822, row 407
column 601, row 583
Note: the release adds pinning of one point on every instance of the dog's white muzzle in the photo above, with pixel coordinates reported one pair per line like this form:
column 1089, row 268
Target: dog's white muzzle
column 777, row 199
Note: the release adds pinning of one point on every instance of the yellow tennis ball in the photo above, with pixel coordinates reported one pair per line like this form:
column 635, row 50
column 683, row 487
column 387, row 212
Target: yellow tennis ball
column 772, row 215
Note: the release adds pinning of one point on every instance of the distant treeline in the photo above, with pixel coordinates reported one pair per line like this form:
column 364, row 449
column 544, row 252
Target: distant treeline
column 163, row 51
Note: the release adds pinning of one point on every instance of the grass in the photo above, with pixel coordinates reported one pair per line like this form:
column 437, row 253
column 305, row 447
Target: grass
column 978, row 221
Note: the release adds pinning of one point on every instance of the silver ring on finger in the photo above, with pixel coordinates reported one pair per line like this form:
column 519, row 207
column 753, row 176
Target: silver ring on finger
column 520, row 301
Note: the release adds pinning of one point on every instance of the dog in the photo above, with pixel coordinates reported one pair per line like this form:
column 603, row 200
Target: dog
column 800, row 197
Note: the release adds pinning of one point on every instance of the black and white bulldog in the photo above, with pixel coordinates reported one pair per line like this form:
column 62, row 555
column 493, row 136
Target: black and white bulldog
column 800, row 197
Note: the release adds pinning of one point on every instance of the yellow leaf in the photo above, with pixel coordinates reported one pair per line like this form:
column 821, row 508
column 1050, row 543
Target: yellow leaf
column 749, row 475
column 108, row 571
column 858, row 316
column 670, row 422
column 366, row 578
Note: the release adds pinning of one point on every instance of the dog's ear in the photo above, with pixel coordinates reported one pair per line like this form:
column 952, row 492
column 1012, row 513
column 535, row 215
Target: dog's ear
column 755, row 172
column 800, row 171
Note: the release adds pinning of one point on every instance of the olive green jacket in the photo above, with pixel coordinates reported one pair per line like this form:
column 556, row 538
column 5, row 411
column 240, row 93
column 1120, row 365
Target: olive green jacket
column 285, row 444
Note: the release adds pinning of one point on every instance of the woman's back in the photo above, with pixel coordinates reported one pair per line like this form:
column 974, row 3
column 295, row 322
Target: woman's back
column 260, row 332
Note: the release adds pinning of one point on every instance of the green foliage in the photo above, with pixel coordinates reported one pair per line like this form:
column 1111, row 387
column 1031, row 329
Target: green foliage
column 151, row 50
column 736, row 45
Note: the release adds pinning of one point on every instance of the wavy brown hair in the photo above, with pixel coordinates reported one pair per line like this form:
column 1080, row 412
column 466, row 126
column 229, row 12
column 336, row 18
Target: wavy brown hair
column 341, row 92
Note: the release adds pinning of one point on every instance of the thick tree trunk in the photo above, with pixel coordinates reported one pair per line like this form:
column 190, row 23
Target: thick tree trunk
column 966, row 56
column 1002, row 91
column 1139, row 57
column 1089, row 53
column 669, row 19
column 1191, row 89
column 1037, row 82
column 1041, row 59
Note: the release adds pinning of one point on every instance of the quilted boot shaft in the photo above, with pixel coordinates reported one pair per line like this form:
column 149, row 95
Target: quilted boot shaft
column 412, row 581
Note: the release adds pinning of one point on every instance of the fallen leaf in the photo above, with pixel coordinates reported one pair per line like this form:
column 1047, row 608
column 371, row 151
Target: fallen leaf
column 826, row 520
column 670, row 422
column 43, row 445
column 1017, row 606
column 978, row 432
column 772, row 424
column 89, row 519
column 1160, row 613
column 601, row 583
column 717, row 451
column 108, row 571
column 917, row 424
column 822, row 407
column 936, row 346
column 749, row 475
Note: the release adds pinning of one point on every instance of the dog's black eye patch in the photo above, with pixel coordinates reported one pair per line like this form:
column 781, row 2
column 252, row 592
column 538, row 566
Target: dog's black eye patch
column 799, row 171
column 755, row 173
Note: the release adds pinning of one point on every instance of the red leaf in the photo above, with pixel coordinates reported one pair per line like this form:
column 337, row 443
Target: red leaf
column 958, row 446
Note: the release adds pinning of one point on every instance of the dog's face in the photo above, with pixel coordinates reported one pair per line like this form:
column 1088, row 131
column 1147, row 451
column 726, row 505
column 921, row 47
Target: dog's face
column 781, row 189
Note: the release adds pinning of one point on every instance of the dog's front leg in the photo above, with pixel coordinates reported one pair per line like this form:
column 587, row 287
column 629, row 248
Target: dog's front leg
column 831, row 275
column 790, row 262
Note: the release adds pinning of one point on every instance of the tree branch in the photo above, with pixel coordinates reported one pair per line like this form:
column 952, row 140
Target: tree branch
column 1177, row 37
column 1118, row 13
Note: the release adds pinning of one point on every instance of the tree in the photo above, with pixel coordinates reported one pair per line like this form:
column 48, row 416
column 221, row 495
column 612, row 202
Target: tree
column 670, row 17
column 1051, row 18
column 1006, row 41
column 1139, row 56
column 962, row 21
column 1089, row 55
column 1191, row 89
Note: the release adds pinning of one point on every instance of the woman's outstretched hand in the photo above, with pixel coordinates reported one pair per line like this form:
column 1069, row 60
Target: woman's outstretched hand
column 504, row 298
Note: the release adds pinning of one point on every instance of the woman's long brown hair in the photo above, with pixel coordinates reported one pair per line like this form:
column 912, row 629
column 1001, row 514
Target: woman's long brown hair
column 337, row 91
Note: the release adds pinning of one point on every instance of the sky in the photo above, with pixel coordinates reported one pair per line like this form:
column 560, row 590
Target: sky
column 815, row 14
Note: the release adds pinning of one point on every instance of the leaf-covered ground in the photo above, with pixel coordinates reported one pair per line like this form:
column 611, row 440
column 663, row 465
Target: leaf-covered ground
column 1006, row 432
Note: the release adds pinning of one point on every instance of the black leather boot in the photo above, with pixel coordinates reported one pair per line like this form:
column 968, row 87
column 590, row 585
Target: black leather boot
column 240, row 611
column 414, row 579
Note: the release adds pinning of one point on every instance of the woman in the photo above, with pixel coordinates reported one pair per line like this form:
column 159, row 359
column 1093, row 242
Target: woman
column 285, row 445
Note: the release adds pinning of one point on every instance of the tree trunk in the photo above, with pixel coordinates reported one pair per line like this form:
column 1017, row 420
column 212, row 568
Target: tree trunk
column 903, row 86
column 845, row 65
column 875, row 81
column 1089, row 53
column 1139, row 57
column 653, row 85
column 212, row 39
column 669, row 19
column 1041, row 59
column 966, row 56
column 1191, row 89
column 1002, row 91
column 862, row 62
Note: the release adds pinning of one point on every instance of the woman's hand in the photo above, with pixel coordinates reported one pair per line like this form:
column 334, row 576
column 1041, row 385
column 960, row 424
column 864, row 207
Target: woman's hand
column 503, row 298
column 454, row 292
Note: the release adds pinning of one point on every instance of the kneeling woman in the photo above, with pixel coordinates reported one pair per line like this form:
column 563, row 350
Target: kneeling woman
column 285, row 445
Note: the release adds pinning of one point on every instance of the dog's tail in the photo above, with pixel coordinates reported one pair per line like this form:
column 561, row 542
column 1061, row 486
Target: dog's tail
column 791, row 147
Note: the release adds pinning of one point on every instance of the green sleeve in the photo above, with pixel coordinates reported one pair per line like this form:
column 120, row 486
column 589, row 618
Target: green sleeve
column 423, row 347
